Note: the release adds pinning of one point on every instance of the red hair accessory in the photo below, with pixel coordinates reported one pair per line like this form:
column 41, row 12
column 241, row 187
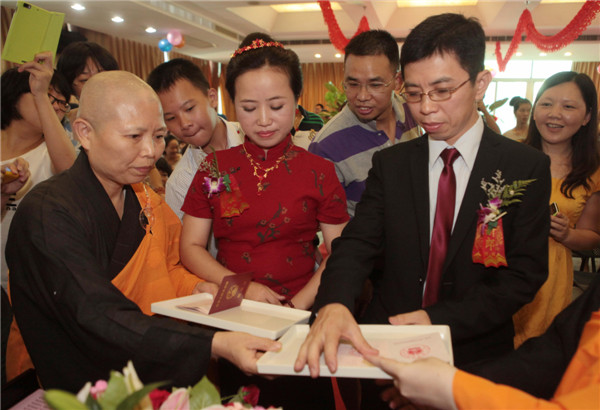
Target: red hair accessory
column 258, row 43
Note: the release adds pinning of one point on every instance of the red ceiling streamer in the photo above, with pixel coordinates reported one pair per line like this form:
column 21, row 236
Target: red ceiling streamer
column 336, row 36
column 548, row 43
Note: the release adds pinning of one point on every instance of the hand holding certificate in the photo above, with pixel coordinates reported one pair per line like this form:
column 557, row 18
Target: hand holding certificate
column 403, row 344
column 334, row 322
column 228, row 310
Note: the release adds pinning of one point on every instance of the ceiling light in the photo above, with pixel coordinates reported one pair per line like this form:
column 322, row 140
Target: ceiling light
column 561, row 1
column 435, row 3
column 568, row 54
column 150, row 30
column 338, row 55
column 299, row 7
column 117, row 19
column 77, row 7
column 518, row 54
column 543, row 54
column 317, row 55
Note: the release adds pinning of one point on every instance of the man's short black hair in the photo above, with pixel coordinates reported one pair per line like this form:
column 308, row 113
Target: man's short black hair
column 447, row 33
column 374, row 43
column 166, row 74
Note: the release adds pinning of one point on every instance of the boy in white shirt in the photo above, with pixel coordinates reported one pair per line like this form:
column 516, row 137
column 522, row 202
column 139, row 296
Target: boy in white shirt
column 189, row 107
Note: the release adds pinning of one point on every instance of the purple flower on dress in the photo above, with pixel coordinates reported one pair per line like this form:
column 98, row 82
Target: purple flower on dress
column 213, row 185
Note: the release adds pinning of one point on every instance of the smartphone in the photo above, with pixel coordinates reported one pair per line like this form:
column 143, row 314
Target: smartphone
column 554, row 209
column 8, row 175
column 32, row 30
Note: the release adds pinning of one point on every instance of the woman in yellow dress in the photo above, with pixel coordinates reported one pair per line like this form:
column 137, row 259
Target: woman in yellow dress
column 565, row 127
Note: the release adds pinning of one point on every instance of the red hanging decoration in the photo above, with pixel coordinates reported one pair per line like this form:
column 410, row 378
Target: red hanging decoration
column 336, row 36
column 548, row 43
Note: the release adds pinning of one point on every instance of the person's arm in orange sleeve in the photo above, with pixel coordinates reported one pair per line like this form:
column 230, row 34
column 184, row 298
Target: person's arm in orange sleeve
column 432, row 382
column 472, row 392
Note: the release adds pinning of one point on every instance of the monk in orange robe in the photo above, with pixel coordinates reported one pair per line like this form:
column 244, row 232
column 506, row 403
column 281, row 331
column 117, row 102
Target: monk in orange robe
column 90, row 249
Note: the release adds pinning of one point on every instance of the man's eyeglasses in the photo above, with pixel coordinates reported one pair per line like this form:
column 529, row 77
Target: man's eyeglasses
column 375, row 87
column 439, row 94
column 62, row 104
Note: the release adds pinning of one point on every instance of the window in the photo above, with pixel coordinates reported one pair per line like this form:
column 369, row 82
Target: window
column 521, row 78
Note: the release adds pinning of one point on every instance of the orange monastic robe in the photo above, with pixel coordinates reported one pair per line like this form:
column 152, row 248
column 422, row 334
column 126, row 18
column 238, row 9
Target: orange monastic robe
column 154, row 273
column 579, row 387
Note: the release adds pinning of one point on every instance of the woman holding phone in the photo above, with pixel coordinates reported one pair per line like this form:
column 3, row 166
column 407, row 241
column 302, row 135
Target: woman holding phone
column 565, row 127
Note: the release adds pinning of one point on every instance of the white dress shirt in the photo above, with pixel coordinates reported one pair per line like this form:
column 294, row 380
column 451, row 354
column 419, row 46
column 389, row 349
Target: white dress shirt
column 467, row 145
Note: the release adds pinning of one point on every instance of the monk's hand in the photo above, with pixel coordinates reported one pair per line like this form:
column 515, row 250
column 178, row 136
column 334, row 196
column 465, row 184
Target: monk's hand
column 418, row 317
column 206, row 287
column 334, row 322
column 242, row 349
column 262, row 293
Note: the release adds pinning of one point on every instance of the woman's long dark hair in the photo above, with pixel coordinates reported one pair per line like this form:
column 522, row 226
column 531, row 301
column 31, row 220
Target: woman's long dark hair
column 585, row 158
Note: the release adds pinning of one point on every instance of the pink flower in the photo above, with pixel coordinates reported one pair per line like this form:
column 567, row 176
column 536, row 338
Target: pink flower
column 213, row 185
column 158, row 397
column 495, row 203
column 98, row 388
column 178, row 400
column 251, row 394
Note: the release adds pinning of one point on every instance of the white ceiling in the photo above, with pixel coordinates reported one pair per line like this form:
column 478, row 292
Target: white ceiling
column 213, row 29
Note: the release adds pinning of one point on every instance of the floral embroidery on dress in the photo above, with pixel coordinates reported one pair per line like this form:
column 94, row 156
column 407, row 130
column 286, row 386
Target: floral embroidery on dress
column 319, row 181
column 246, row 257
column 272, row 231
column 273, row 283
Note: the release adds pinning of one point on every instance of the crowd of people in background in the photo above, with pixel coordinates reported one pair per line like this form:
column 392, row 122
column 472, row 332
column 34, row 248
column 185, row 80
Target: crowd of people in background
column 118, row 192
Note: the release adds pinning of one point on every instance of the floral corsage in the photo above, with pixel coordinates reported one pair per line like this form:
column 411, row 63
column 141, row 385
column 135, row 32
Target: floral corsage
column 125, row 391
column 220, row 183
column 488, row 248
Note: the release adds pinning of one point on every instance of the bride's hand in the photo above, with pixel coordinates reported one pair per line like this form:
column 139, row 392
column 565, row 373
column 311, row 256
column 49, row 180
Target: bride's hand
column 262, row 293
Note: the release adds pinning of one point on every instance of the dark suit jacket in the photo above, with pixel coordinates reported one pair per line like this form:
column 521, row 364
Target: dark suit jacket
column 539, row 364
column 393, row 217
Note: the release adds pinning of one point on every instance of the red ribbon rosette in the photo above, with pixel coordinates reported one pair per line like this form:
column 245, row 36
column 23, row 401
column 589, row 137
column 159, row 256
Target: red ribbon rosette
column 488, row 248
column 233, row 202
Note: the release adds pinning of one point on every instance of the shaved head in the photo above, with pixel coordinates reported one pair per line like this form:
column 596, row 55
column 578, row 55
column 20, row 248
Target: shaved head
column 109, row 91
column 121, row 127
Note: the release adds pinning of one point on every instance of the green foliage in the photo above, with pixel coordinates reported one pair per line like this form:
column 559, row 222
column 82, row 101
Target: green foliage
column 204, row 394
column 497, row 104
column 512, row 192
column 334, row 99
column 58, row 399
column 115, row 391
column 135, row 397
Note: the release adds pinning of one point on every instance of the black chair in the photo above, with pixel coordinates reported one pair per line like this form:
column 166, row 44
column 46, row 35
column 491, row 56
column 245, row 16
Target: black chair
column 586, row 256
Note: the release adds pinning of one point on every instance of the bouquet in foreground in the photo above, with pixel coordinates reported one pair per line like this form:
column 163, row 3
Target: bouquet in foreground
column 125, row 391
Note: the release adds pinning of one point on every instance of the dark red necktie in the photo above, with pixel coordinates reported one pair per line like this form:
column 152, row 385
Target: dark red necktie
column 442, row 227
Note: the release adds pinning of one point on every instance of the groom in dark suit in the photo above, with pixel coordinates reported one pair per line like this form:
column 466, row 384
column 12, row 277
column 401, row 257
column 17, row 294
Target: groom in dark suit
column 421, row 214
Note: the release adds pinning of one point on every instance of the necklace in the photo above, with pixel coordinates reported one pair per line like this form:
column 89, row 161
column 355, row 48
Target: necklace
column 260, row 172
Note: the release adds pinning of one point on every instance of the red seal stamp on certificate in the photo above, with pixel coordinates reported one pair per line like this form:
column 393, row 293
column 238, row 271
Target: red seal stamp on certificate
column 415, row 352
